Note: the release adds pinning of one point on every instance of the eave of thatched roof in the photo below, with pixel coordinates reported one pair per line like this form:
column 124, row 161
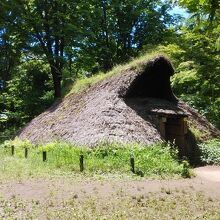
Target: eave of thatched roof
column 105, row 112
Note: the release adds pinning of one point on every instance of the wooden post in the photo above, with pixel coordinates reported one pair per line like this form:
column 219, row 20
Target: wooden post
column 132, row 164
column 163, row 121
column 25, row 152
column 44, row 156
column 81, row 165
column 12, row 150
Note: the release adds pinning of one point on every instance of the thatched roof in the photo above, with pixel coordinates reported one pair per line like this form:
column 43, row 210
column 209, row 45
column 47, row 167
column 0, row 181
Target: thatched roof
column 120, row 109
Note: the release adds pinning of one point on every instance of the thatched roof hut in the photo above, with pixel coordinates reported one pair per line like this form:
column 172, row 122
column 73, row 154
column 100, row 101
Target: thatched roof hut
column 136, row 105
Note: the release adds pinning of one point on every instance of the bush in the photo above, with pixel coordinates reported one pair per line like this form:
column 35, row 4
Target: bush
column 210, row 152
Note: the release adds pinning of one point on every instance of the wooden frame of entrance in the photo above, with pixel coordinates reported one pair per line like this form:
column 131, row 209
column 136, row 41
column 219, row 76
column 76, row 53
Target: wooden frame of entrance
column 173, row 129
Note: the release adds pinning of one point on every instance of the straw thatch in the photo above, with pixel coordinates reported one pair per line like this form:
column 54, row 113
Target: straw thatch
column 122, row 108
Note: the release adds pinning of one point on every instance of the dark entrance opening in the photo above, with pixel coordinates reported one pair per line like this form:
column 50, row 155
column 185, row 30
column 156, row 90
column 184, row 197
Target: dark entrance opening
column 151, row 96
column 154, row 82
column 174, row 130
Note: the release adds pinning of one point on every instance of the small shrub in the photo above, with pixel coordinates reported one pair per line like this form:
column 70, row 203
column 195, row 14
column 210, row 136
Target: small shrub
column 210, row 152
column 186, row 169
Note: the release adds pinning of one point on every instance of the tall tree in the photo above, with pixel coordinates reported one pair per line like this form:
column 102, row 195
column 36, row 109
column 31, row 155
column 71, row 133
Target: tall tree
column 118, row 30
column 208, row 8
column 47, row 24
column 199, row 39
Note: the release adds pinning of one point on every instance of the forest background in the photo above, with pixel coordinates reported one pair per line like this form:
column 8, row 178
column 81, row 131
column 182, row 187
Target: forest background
column 46, row 45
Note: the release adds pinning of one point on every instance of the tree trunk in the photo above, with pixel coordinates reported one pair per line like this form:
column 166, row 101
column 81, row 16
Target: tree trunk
column 107, row 62
column 214, row 7
column 56, row 73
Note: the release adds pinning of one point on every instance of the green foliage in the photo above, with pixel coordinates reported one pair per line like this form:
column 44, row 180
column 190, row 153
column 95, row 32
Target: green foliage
column 7, row 133
column 44, row 28
column 210, row 152
column 27, row 94
column 186, row 169
column 78, row 39
column 174, row 51
column 197, row 73
column 154, row 161
column 218, row 44
column 197, row 133
column 83, row 36
column 186, row 78
column 118, row 30
column 17, row 143
column 197, row 79
column 202, row 8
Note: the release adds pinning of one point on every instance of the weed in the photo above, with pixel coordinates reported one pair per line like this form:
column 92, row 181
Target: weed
column 186, row 169
column 158, row 160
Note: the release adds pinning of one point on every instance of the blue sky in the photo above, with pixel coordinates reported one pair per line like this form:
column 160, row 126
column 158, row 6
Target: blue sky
column 181, row 11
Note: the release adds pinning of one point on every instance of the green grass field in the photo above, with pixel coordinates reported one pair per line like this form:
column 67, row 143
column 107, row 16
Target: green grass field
column 106, row 189
column 157, row 161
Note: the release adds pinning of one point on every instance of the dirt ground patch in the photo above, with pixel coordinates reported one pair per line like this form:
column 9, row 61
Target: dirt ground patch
column 41, row 189
column 211, row 173
column 80, row 198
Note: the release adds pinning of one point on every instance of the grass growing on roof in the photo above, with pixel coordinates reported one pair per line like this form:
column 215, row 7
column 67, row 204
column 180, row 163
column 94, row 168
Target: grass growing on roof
column 86, row 82
column 158, row 160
